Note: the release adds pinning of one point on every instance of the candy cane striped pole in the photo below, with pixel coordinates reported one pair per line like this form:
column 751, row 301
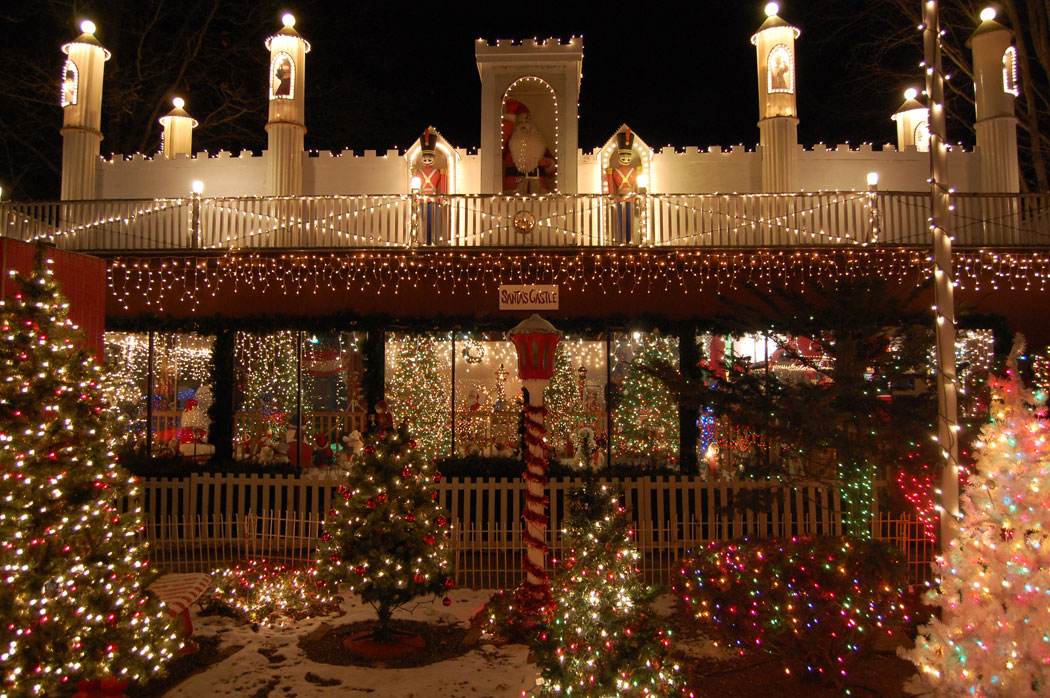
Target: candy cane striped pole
column 537, row 584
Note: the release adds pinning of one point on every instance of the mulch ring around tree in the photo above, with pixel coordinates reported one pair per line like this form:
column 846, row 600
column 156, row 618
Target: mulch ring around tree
column 441, row 641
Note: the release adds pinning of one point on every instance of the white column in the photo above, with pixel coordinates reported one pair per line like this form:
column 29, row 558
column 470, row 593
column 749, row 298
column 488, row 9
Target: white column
column 82, row 113
column 177, row 137
column 995, row 79
column 286, row 127
column 778, row 115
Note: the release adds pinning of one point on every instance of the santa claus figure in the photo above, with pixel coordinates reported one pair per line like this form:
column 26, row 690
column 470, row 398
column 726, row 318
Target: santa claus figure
column 622, row 183
column 432, row 182
column 528, row 164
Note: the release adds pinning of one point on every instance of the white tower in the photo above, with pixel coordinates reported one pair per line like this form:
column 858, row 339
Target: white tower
column 177, row 137
column 81, row 100
column 544, row 77
column 995, row 83
column 778, row 117
column 286, row 126
column 913, row 123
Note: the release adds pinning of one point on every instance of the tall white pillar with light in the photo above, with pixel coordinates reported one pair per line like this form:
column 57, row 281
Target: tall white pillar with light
column 286, row 126
column 913, row 123
column 777, row 112
column 80, row 95
column 995, row 85
column 178, row 125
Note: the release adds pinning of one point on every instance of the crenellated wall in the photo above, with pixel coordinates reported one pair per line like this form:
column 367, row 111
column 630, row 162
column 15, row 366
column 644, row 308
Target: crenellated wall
column 676, row 171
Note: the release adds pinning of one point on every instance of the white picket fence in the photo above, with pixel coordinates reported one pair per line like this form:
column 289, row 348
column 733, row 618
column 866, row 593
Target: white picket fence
column 802, row 219
column 206, row 521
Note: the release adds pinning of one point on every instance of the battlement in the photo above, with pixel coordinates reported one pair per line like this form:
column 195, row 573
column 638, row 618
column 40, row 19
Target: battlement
column 550, row 43
column 684, row 170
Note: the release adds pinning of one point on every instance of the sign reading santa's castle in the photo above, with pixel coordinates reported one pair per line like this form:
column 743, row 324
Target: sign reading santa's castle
column 528, row 297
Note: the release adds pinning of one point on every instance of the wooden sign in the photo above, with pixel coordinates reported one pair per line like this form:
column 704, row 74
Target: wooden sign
column 528, row 297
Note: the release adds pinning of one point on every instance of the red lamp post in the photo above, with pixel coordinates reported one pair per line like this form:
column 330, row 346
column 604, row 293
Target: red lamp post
column 535, row 340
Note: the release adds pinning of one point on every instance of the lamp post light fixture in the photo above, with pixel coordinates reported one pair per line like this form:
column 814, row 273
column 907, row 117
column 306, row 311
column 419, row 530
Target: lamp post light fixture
column 535, row 340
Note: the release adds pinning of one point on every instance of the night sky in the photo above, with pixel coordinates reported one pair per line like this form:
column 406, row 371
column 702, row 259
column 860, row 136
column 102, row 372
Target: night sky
column 680, row 74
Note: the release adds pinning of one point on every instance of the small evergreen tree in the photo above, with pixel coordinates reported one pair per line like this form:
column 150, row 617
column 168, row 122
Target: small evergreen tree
column 72, row 598
column 600, row 641
column 563, row 402
column 386, row 537
column 418, row 396
column 646, row 422
column 992, row 637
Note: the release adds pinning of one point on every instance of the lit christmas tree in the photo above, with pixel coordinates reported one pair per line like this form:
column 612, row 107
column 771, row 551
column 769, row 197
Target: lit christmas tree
column 74, row 607
column 600, row 641
column 417, row 394
column 646, row 423
column 386, row 538
column 563, row 402
column 993, row 637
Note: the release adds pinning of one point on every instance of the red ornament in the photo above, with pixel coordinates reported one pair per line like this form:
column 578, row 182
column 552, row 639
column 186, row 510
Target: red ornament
column 346, row 495
column 382, row 497
column 360, row 570
column 441, row 521
column 410, row 517
column 371, row 504
column 412, row 443
column 420, row 578
column 437, row 478
column 449, row 583
column 333, row 513
column 434, row 496
column 428, row 539
column 335, row 558
column 326, row 536
column 446, row 601
column 406, row 473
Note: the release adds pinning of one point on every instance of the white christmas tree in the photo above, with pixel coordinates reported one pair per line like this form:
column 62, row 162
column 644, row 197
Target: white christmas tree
column 993, row 637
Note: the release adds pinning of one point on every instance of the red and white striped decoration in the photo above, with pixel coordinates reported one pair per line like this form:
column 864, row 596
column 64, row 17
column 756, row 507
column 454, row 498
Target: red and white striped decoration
column 536, row 587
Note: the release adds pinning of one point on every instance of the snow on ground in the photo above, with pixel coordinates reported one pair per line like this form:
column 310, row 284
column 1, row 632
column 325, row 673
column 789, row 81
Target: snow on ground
column 486, row 670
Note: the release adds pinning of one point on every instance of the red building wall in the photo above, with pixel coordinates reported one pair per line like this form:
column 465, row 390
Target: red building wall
column 82, row 279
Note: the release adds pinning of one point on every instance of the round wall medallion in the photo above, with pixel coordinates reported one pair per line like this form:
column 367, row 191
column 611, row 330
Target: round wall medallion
column 524, row 222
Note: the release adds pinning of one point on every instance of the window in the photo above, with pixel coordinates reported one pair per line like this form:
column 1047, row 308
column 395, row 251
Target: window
column 1010, row 82
column 276, row 394
column 644, row 410
column 780, row 69
column 922, row 137
column 70, row 84
column 181, row 367
column 282, row 77
column 419, row 388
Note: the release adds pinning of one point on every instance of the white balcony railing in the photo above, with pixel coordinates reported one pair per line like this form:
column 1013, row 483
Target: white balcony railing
column 474, row 220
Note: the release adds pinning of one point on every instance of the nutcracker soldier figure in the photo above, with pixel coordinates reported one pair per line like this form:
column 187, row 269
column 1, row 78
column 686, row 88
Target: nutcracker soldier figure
column 432, row 183
column 622, row 183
